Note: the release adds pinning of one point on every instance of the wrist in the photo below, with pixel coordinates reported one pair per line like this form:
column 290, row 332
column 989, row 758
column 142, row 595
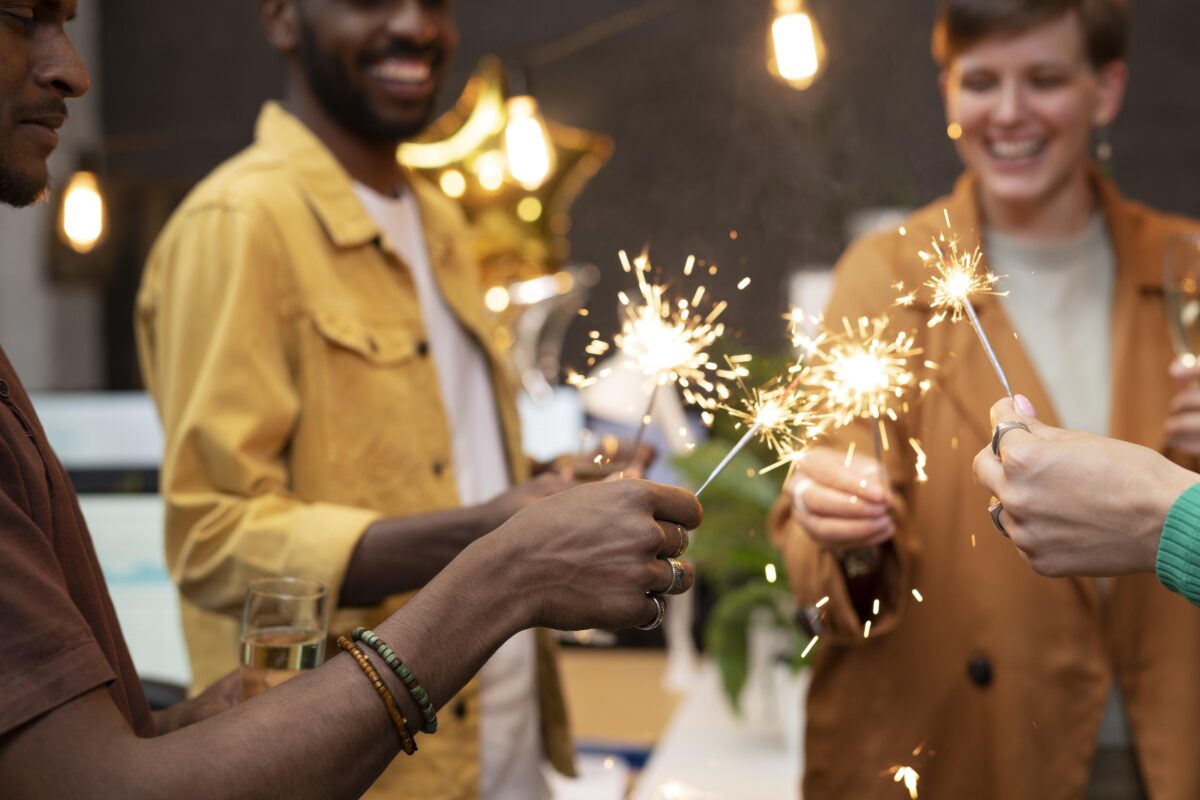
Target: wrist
column 505, row 578
column 1168, row 486
column 485, row 518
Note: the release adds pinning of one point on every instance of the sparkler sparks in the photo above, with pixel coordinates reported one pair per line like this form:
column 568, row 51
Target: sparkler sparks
column 909, row 777
column 781, row 415
column 668, row 337
column 959, row 276
column 863, row 373
column 809, row 647
column 922, row 459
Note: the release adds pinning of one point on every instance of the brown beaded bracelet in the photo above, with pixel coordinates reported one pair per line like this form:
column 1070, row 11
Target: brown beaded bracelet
column 401, row 724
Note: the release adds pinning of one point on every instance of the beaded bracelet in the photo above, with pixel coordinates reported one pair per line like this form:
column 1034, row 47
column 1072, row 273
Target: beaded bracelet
column 419, row 696
column 406, row 741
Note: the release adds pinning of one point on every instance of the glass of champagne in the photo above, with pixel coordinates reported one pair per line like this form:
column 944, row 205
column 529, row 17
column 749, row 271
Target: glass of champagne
column 1181, row 288
column 283, row 631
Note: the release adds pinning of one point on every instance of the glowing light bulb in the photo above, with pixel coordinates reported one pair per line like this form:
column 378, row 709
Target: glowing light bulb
column 527, row 143
column 82, row 218
column 797, row 50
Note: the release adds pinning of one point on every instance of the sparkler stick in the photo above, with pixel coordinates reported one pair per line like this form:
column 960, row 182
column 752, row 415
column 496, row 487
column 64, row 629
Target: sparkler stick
column 644, row 423
column 737, row 448
column 781, row 415
column 987, row 347
column 879, row 448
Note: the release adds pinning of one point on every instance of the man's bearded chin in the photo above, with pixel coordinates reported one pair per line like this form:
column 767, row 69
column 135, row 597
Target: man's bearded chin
column 332, row 87
column 20, row 189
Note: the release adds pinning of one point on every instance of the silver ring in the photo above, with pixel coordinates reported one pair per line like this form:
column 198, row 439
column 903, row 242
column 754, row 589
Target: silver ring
column 661, row 605
column 994, row 509
column 683, row 542
column 677, row 576
column 1003, row 428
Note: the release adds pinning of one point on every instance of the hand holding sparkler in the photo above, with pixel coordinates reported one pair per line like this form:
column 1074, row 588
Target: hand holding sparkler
column 841, row 503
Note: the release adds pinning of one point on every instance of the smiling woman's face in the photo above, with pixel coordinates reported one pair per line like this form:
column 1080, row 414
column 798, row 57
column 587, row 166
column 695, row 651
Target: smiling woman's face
column 1026, row 105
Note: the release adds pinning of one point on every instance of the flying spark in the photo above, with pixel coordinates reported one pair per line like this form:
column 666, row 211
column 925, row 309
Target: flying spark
column 909, row 777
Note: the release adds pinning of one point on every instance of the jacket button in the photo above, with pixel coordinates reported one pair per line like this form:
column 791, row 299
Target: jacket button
column 979, row 670
column 3, row 389
column 460, row 709
column 438, row 468
column 422, row 348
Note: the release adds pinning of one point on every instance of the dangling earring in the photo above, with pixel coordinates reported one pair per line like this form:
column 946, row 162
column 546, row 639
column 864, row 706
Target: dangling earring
column 1104, row 151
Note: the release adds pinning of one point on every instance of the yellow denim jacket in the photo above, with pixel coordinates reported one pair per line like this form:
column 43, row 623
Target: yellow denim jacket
column 282, row 341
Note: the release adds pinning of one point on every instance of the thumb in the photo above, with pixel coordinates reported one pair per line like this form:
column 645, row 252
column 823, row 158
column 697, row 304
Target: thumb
column 1185, row 370
column 1020, row 409
column 1025, row 407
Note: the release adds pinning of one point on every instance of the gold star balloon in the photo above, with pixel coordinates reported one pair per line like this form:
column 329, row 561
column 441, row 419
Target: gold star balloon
column 514, row 173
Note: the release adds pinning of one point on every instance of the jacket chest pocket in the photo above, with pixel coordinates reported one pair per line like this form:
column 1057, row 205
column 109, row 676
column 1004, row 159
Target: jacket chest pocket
column 362, row 344
column 380, row 414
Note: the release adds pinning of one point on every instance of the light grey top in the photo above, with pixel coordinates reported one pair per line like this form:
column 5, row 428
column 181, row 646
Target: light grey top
column 1060, row 299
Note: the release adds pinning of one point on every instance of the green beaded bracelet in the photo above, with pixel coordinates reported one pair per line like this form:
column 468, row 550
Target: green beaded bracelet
column 419, row 695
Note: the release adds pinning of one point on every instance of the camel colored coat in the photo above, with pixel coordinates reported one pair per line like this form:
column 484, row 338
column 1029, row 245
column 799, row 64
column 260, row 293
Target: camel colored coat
column 1000, row 677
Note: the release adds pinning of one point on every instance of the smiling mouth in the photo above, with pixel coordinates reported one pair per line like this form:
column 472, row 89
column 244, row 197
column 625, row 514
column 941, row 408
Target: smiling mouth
column 1017, row 149
column 406, row 71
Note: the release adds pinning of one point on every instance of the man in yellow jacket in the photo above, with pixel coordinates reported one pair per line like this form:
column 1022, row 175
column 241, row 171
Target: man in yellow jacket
column 311, row 327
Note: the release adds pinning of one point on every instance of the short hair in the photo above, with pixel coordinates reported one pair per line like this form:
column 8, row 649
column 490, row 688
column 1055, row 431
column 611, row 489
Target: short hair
column 962, row 23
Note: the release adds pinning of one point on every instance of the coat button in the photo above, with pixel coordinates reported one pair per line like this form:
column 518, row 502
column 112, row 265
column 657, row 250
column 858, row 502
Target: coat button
column 979, row 670
column 438, row 468
column 460, row 709
column 3, row 389
column 422, row 348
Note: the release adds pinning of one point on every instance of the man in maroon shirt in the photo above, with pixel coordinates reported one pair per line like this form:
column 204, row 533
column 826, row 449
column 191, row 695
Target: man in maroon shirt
column 73, row 719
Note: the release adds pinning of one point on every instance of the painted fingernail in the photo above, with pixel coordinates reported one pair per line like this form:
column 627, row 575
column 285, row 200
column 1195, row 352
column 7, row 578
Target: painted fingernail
column 1024, row 406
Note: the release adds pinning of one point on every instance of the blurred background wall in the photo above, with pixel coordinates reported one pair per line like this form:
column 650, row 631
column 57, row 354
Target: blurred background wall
column 707, row 142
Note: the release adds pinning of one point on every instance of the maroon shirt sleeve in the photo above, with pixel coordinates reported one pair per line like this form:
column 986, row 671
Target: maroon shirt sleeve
column 48, row 653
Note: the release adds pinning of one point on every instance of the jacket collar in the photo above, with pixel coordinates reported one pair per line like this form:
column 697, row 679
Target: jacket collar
column 328, row 188
column 324, row 183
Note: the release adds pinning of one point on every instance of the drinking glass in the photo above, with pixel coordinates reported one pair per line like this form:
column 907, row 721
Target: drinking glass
column 283, row 631
column 1181, row 288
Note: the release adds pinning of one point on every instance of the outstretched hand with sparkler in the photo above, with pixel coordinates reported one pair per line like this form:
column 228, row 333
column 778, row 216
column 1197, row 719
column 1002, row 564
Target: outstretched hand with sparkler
column 841, row 503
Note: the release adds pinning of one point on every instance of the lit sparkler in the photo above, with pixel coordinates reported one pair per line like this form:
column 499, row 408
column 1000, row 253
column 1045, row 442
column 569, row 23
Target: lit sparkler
column 668, row 338
column 864, row 373
column 959, row 276
column 781, row 415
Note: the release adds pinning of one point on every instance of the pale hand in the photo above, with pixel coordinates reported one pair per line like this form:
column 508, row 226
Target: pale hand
column 1183, row 426
column 1076, row 503
column 841, row 507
